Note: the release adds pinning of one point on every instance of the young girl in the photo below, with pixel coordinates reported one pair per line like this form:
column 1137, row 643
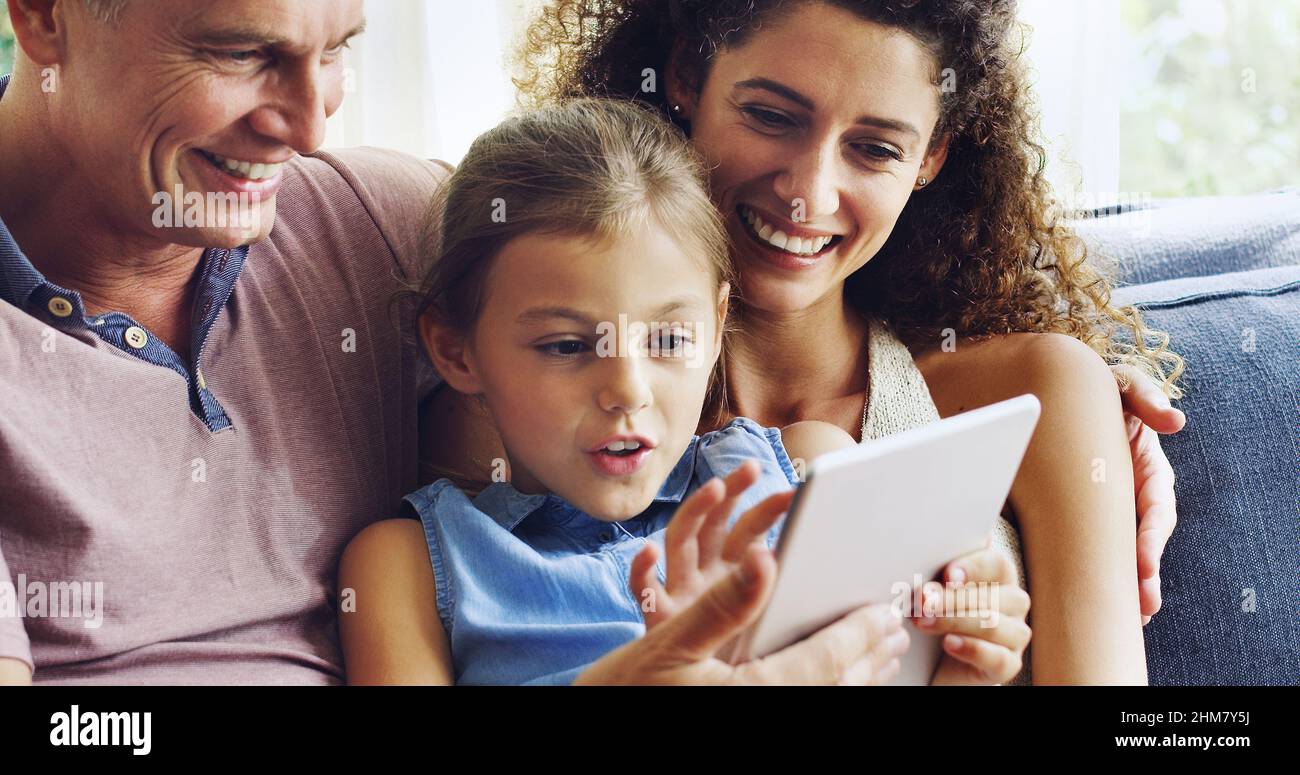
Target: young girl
column 580, row 292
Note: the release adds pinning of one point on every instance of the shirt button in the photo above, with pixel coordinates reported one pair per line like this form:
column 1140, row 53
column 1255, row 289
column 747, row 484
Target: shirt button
column 136, row 337
column 60, row 306
column 606, row 536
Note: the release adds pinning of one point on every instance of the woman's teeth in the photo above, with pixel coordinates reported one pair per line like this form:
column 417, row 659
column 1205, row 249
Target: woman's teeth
column 799, row 246
column 244, row 169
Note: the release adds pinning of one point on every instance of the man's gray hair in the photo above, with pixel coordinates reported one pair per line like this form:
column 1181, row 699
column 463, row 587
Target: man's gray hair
column 105, row 10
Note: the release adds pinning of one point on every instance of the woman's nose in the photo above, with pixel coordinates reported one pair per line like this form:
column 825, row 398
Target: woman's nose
column 809, row 184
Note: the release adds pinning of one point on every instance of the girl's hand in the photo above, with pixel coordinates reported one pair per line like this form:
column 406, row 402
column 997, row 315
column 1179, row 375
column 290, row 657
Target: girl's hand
column 700, row 550
column 1148, row 412
column 984, row 640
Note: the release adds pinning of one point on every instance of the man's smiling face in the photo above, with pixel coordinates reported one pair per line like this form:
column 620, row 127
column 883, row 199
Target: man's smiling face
column 211, row 97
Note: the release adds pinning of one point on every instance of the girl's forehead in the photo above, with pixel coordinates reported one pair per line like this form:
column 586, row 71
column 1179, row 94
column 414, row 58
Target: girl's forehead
column 639, row 273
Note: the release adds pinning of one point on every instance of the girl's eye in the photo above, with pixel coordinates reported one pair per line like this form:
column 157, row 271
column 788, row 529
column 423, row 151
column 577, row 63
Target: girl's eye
column 769, row 118
column 671, row 342
column 879, row 152
column 565, row 348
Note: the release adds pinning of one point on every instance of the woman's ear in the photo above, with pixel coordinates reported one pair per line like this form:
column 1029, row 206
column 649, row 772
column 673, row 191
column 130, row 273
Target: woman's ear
column 678, row 92
column 933, row 161
column 450, row 353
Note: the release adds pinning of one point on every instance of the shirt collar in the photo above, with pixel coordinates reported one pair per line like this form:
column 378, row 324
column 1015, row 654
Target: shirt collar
column 508, row 507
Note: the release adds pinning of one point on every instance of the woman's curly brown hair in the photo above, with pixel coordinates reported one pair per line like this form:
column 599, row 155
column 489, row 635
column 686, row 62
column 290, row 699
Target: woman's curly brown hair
column 981, row 251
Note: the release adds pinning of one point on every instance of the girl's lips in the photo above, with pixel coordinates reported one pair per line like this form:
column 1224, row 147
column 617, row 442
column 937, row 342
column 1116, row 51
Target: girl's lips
column 608, row 464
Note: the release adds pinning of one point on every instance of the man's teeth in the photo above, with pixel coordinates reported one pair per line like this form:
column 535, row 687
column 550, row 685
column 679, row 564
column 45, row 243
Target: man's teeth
column 800, row 246
column 245, row 169
column 619, row 446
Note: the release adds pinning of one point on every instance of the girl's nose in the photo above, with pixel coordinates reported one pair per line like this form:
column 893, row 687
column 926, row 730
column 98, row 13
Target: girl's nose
column 624, row 387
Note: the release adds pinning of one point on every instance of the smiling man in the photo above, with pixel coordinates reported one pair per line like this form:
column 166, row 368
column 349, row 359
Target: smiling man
column 201, row 401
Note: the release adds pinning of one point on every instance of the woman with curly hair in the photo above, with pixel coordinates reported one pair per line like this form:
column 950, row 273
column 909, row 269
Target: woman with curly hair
column 899, row 260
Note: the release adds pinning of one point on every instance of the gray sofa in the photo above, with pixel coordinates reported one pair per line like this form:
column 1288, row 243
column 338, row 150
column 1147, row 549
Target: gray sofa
column 1222, row 276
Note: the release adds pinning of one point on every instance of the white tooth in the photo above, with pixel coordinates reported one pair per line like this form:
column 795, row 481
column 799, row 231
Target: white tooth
column 244, row 167
column 230, row 164
column 632, row 445
column 257, row 171
column 765, row 232
column 615, row 446
column 794, row 245
column 778, row 239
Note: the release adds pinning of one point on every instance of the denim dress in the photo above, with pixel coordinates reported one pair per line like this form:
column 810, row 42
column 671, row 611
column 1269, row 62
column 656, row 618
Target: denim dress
column 530, row 590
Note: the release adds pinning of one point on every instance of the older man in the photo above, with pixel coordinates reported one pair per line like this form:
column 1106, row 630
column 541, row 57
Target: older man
column 205, row 390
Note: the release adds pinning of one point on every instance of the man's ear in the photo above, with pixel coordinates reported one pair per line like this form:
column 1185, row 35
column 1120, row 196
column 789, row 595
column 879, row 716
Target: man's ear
column 934, row 159
column 450, row 353
column 40, row 29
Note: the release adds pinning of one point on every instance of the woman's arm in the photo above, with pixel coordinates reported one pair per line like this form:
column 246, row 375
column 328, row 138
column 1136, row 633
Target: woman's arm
column 388, row 618
column 1073, row 498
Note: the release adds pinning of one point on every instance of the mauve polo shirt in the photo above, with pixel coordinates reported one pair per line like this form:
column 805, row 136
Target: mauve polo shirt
column 181, row 523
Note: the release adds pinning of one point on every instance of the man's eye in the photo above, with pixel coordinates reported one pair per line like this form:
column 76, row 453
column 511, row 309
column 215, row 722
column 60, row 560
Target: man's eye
column 565, row 348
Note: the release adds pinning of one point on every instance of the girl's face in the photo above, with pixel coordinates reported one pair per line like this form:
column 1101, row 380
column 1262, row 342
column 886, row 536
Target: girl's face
column 816, row 128
column 594, row 361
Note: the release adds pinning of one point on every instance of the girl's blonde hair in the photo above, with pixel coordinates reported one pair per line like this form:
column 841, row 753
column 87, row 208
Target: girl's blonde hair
column 591, row 168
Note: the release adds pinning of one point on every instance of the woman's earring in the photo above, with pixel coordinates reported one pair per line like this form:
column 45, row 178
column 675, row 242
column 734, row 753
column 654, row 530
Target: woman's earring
column 921, row 181
column 677, row 109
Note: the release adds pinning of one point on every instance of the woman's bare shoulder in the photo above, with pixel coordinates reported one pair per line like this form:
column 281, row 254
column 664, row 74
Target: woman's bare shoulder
column 976, row 373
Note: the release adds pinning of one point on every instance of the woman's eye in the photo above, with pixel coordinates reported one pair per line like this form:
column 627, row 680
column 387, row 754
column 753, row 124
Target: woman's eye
column 879, row 152
column 565, row 348
column 767, row 117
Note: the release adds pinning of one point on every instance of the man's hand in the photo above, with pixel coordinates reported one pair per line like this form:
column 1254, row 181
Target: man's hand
column 1148, row 412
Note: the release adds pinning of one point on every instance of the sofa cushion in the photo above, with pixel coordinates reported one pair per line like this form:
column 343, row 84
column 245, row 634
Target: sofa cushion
column 1230, row 574
column 1196, row 237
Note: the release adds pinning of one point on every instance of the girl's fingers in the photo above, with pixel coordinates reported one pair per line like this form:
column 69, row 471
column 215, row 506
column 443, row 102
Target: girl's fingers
column 643, row 580
column 827, row 656
column 880, row 664
column 713, row 532
column 680, row 537
column 755, row 523
column 986, row 565
column 994, row 662
column 994, row 613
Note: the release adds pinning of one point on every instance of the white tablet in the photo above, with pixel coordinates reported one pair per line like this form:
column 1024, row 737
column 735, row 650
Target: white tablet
column 871, row 522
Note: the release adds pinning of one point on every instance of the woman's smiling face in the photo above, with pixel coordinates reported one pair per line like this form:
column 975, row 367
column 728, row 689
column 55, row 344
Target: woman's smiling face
column 817, row 127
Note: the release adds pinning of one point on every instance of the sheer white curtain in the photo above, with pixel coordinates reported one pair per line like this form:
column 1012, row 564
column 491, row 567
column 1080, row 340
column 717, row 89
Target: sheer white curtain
column 428, row 76
column 1075, row 51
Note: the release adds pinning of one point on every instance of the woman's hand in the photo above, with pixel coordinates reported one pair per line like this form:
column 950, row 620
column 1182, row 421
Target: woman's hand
column 984, row 639
column 718, row 582
column 1148, row 412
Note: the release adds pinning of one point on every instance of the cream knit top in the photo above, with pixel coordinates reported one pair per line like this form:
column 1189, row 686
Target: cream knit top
column 898, row 399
